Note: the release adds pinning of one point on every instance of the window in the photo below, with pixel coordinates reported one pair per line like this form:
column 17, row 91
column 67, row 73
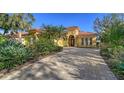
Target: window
column 86, row 41
column 91, row 41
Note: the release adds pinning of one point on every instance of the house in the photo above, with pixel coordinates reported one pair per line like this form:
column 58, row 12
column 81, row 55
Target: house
column 77, row 38
column 25, row 37
column 74, row 37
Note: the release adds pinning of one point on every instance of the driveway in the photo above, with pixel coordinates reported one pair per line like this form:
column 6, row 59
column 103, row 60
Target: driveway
column 70, row 64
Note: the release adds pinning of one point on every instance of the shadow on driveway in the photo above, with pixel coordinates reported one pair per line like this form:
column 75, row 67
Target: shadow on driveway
column 71, row 63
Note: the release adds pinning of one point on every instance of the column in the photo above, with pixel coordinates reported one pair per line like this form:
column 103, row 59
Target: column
column 84, row 42
column 75, row 41
column 88, row 41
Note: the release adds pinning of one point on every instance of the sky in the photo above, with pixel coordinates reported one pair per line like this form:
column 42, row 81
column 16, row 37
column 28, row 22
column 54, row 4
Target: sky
column 83, row 20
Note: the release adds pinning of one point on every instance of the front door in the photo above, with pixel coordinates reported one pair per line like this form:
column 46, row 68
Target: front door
column 71, row 41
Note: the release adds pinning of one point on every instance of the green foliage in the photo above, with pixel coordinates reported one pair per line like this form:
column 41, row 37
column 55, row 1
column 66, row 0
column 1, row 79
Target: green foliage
column 21, row 21
column 53, row 32
column 13, row 53
column 115, row 58
column 118, row 68
column 2, row 39
column 16, row 22
column 111, row 33
column 45, row 46
column 27, row 40
column 5, row 22
column 113, row 52
column 110, row 29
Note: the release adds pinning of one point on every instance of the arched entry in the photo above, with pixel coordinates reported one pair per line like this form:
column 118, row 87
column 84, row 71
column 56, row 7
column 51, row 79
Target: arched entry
column 71, row 40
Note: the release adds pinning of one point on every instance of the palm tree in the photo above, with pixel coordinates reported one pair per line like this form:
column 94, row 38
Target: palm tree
column 52, row 32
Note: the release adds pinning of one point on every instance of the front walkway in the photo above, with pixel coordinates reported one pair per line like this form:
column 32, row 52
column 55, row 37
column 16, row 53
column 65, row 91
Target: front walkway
column 71, row 63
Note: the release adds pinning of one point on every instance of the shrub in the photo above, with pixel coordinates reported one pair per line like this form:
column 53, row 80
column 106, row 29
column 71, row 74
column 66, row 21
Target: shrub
column 115, row 59
column 2, row 39
column 13, row 53
column 116, row 52
column 58, row 48
column 118, row 69
column 45, row 47
column 113, row 52
column 104, row 52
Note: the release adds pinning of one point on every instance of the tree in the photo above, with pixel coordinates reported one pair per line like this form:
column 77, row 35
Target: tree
column 110, row 29
column 52, row 32
column 21, row 22
column 16, row 22
column 5, row 22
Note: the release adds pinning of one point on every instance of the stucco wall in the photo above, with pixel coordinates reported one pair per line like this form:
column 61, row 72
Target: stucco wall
column 59, row 42
column 75, row 32
column 79, row 41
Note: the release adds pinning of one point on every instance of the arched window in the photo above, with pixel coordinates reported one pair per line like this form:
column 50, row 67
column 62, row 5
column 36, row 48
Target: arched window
column 91, row 41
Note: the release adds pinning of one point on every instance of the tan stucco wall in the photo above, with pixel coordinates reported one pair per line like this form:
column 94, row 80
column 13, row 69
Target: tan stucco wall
column 59, row 42
column 75, row 32
column 94, row 41
column 79, row 41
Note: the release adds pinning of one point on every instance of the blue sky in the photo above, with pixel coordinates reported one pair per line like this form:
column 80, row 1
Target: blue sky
column 83, row 20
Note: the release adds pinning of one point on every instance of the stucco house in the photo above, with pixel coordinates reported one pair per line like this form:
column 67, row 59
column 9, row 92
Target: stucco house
column 74, row 37
column 25, row 37
column 77, row 38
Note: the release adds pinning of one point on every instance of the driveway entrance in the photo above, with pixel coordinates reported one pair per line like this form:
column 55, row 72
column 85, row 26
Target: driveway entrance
column 70, row 64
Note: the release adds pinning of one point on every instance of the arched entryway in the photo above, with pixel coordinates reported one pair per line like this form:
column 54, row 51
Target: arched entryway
column 71, row 40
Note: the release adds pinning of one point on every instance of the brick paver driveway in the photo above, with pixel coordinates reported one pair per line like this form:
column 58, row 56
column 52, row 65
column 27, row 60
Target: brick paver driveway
column 71, row 63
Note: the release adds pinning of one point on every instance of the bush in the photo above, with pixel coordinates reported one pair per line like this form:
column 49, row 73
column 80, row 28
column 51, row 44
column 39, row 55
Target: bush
column 2, row 39
column 13, row 53
column 116, row 52
column 104, row 52
column 118, row 69
column 113, row 52
column 58, row 48
column 115, row 59
column 45, row 47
